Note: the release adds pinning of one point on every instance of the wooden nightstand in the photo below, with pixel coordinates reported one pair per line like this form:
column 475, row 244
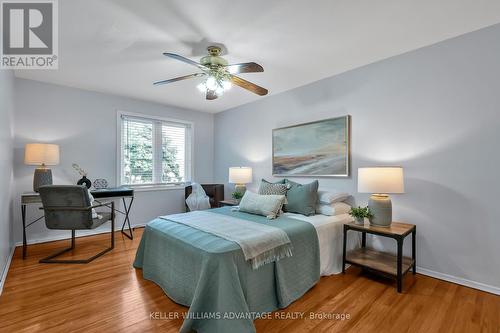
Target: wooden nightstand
column 382, row 262
column 228, row 202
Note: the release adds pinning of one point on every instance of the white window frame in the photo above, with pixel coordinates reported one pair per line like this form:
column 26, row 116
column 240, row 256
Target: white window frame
column 157, row 168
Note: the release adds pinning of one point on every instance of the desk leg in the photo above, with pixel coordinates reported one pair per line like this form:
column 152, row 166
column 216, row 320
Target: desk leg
column 130, row 235
column 413, row 249
column 23, row 215
column 344, row 249
column 400, row 264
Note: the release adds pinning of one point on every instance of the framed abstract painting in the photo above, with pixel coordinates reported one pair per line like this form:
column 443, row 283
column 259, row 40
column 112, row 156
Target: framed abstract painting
column 317, row 149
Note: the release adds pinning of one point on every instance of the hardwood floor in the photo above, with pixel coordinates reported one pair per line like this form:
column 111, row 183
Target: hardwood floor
column 109, row 295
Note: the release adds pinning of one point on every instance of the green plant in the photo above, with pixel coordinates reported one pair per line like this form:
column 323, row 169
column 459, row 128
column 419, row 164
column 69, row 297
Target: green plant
column 361, row 212
column 237, row 195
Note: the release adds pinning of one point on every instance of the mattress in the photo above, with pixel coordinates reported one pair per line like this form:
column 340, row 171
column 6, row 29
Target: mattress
column 330, row 236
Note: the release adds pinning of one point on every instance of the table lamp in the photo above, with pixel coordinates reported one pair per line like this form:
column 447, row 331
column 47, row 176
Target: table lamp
column 380, row 181
column 240, row 176
column 41, row 154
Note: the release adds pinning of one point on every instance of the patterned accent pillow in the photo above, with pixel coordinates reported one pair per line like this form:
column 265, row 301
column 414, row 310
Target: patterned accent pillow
column 267, row 188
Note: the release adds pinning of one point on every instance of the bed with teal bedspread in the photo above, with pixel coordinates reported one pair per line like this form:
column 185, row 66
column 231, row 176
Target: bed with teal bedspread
column 210, row 275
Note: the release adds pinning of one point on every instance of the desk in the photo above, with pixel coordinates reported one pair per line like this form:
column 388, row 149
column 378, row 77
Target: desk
column 103, row 196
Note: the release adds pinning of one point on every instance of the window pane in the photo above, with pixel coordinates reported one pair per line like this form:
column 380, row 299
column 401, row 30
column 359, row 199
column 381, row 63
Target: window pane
column 154, row 151
column 137, row 150
column 173, row 153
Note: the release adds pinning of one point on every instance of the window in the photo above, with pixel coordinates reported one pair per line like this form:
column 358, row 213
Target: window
column 153, row 151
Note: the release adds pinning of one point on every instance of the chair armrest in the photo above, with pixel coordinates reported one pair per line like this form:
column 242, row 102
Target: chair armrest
column 75, row 209
column 219, row 194
column 99, row 205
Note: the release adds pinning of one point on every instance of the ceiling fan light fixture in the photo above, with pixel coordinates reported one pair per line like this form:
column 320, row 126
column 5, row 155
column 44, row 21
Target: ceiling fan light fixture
column 202, row 87
column 211, row 83
column 226, row 85
column 219, row 91
column 218, row 74
column 214, row 84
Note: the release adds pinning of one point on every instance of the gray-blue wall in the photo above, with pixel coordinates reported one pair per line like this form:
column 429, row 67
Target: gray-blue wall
column 6, row 163
column 84, row 124
column 436, row 112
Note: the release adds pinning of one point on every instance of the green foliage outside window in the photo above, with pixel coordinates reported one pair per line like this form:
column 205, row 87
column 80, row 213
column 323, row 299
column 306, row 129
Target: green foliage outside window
column 139, row 155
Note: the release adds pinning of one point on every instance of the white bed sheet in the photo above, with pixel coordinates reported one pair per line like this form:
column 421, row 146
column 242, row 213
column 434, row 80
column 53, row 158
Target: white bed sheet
column 330, row 235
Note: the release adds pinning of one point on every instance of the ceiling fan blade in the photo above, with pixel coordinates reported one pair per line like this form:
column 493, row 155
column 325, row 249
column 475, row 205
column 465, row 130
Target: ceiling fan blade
column 211, row 95
column 185, row 77
column 248, row 85
column 186, row 60
column 247, row 67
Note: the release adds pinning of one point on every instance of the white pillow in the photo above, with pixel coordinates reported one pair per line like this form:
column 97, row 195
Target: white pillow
column 268, row 205
column 336, row 208
column 329, row 197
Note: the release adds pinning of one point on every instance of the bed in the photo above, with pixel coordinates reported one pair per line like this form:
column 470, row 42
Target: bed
column 330, row 237
column 210, row 275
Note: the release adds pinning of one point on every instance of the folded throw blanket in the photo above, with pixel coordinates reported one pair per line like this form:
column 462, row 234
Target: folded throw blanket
column 198, row 199
column 260, row 243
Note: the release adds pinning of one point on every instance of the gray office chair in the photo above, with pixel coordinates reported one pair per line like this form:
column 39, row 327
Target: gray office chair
column 67, row 207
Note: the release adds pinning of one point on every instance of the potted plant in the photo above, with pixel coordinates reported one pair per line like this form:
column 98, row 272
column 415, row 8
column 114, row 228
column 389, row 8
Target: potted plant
column 360, row 213
column 237, row 195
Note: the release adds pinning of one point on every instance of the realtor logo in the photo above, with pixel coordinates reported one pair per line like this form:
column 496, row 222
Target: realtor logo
column 29, row 34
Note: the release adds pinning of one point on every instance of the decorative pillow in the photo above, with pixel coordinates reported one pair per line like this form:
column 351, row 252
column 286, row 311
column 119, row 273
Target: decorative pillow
column 336, row 208
column 329, row 197
column 268, row 188
column 266, row 205
column 281, row 181
column 302, row 198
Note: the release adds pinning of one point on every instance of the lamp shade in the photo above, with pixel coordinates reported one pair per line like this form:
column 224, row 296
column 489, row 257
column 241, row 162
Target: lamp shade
column 240, row 175
column 41, row 154
column 380, row 180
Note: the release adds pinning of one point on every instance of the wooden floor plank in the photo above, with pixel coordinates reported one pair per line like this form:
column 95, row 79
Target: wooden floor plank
column 109, row 295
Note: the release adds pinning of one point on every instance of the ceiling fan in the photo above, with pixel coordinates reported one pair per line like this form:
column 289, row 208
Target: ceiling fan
column 219, row 75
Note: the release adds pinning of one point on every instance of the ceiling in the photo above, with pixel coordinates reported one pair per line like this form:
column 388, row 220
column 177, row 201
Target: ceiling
column 115, row 46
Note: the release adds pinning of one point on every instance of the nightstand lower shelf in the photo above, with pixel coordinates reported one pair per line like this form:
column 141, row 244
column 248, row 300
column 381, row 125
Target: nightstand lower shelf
column 379, row 261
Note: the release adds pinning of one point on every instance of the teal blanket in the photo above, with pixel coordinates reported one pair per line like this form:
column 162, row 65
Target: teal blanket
column 210, row 275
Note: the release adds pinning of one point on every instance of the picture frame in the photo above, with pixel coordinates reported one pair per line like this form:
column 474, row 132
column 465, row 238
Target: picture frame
column 314, row 149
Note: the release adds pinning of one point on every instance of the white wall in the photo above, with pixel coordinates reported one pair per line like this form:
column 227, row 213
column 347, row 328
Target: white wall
column 6, row 163
column 435, row 111
column 83, row 123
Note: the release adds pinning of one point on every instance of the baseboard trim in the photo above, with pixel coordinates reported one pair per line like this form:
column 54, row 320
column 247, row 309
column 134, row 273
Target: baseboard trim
column 83, row 233
column 5, row 271
column 460, row 281
column 420, row 270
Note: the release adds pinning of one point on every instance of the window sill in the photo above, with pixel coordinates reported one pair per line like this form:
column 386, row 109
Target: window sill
column 149, row 188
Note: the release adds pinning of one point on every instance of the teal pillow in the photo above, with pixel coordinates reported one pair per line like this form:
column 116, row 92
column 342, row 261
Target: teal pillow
column 302, row 198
